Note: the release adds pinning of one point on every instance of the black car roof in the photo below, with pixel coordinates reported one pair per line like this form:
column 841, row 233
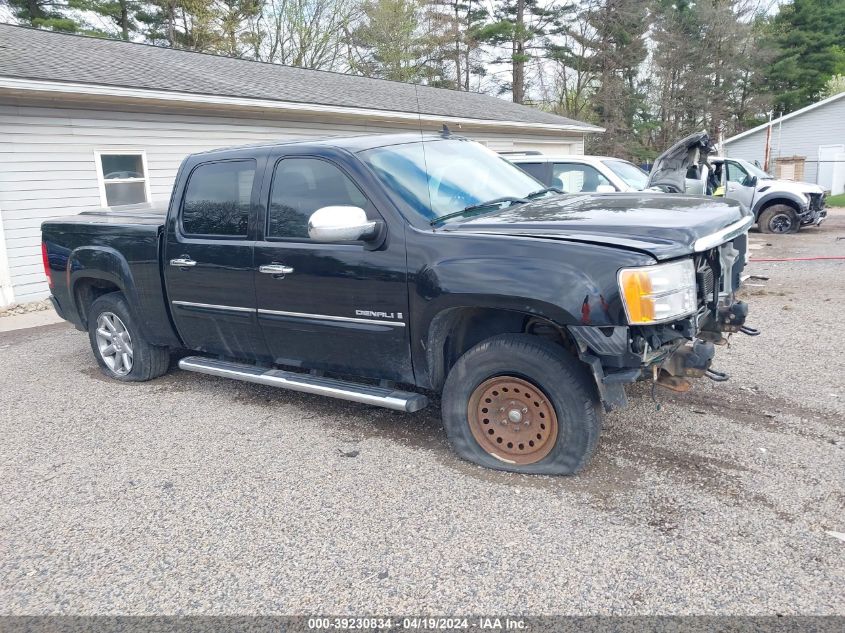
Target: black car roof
column 352, row 144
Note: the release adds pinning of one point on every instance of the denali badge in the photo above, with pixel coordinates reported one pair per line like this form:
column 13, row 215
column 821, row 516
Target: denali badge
column 379, row 315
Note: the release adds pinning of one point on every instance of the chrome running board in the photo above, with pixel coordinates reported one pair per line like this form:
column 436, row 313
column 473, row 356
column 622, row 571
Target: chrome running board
column 306, row 383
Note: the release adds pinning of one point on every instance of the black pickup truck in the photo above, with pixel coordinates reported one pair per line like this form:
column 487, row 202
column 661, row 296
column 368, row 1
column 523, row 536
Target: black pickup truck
column 380, row 269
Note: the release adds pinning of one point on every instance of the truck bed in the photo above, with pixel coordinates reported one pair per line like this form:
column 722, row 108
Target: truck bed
column 105, row 250
column 140, row 215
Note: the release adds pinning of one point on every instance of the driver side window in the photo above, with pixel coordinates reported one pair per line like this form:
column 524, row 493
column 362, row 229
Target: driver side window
column 303, row 185
column 736, row 173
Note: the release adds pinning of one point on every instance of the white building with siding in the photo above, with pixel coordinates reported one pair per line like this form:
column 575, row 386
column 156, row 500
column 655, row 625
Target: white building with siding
column 815, row 134
column 87, row 123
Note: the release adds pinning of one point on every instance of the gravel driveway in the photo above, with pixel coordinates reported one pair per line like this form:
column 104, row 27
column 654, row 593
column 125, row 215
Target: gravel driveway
column 192, row 494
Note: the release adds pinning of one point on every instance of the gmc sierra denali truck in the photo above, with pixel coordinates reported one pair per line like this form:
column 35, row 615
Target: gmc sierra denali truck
column 380, row 269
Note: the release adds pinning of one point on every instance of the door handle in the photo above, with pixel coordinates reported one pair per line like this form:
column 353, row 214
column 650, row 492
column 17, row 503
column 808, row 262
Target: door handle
column 183, row 262
column 275, row 269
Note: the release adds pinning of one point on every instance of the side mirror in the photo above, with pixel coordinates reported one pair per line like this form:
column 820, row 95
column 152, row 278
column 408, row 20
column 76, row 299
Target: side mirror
column 751, row 181
column 605, row 189
column 340, row 224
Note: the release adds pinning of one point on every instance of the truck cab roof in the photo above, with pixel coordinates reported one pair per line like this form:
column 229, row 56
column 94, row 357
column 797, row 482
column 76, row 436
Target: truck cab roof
column 351, row 144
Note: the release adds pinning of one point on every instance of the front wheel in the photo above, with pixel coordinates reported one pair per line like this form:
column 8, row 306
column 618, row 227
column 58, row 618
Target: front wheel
column 523, row 404
column 779, row 218
column 120, row 348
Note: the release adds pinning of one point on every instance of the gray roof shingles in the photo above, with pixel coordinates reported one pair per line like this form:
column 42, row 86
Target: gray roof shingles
column 35, row 54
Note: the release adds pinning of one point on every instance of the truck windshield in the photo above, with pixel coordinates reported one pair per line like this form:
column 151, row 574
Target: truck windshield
column 752, row 169
column 448, row 175
column 633, row 176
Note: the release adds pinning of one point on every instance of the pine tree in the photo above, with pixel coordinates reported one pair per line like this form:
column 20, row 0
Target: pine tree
column 809, row 36
column 54, row 15
column 121, row 16
column 523, row 27
column 388, row 42
column 451, row 28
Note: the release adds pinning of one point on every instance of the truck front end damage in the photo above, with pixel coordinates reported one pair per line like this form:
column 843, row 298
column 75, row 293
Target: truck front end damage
column 815, row 212
column 678, row 313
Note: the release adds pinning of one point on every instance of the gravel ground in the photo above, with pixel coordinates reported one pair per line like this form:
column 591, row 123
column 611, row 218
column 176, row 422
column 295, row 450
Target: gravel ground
column 192, row 494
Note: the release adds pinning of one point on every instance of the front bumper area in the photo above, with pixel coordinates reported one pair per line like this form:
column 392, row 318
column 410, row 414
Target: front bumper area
column 815, row 212
column 671, row 353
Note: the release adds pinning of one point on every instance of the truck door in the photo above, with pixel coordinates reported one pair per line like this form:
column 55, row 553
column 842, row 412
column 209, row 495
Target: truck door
column 737, row 187
column 208, row 265
column 338, row 307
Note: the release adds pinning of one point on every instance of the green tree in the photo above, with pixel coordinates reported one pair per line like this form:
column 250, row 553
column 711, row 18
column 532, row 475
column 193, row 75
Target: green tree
column 452, row 28
column 523, row 28
column 120, row 16
column 616, row 48
column 388, row 43
column 705, row 70
column 55, row 15
column 809, row 36
column 834, row 86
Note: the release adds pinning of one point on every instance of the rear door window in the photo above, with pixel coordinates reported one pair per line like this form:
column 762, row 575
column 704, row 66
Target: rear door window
column 217, row 199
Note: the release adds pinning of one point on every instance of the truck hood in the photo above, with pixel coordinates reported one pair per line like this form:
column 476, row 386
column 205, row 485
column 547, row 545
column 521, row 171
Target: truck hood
column 792, row 186
column 663, row 225
column 670, row 168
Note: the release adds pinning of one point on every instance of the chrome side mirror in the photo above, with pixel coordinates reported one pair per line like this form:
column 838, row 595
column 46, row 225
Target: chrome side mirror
column 340, row 224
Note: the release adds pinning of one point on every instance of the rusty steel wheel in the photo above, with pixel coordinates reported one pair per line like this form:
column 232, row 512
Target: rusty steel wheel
column 512, row 420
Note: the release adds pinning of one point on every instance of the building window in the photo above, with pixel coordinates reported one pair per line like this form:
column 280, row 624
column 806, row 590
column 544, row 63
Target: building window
column 123, row 178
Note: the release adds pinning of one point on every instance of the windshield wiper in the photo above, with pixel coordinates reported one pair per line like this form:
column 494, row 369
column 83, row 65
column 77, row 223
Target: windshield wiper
column 479, row 206
column 540, row 192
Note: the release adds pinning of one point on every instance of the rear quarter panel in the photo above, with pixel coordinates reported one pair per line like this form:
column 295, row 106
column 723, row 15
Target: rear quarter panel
column 127, row 256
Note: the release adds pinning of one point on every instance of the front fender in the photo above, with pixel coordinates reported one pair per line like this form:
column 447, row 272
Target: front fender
column 779, row 197
column 565, row 283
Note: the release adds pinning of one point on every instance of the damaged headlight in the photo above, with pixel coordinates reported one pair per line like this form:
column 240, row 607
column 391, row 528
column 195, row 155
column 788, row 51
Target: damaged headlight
column 655, row 294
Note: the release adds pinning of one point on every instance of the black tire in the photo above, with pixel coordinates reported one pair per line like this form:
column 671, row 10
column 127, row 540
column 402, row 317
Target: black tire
column 564, row 381
column 147, row 361
column 780, row 219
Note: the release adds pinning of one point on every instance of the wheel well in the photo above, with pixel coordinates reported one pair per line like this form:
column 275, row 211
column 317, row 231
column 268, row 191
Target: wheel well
column 769, row 203
column 455, row 331
column 86, row 291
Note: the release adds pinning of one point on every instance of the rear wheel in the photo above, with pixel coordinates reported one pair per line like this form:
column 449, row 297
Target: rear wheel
column 119, row 346
column 779, row 218
column 522, row 404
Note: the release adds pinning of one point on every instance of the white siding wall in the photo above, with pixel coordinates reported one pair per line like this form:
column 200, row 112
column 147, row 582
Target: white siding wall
column 799, row 136
column 48, row 169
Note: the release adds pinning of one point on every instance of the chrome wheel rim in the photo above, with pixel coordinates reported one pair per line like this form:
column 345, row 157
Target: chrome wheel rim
column 114, row 343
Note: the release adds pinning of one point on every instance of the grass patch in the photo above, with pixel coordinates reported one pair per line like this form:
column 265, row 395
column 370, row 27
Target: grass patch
column 835, row 201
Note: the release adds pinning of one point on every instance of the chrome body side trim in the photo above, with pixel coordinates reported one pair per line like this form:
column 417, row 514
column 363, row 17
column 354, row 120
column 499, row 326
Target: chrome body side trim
column 326, row 317
column 211, row 306
column 723, row 235
column 367, row 394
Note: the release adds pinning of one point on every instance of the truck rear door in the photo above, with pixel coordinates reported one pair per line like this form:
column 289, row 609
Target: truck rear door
column 209, row 253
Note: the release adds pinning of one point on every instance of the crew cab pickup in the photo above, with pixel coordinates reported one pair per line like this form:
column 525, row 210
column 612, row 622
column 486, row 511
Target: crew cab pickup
column 386, row 269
